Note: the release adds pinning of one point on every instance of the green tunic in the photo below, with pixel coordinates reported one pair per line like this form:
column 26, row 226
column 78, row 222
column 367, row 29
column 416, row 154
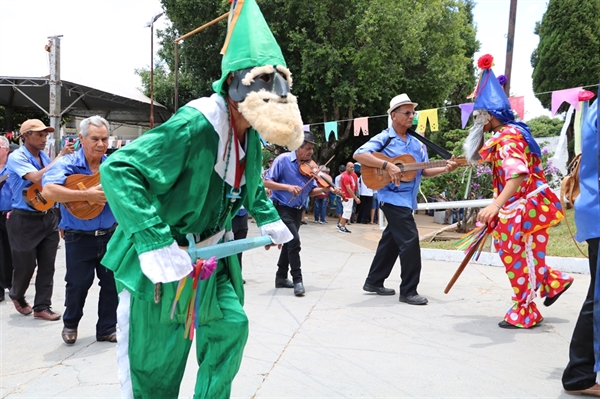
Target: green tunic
column 164, row 185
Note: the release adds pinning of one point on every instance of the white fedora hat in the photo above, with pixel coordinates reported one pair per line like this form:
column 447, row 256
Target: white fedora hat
column 399, row 100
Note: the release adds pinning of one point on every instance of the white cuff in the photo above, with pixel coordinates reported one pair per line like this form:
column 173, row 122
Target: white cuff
column 167, row 264
column 278, row 232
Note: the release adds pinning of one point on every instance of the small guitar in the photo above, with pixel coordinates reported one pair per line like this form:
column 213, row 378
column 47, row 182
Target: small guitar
column 84, row 210
column 377, row 178
column 34, row 198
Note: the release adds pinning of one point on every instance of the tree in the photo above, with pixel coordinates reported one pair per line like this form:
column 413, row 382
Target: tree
column 568, row 54
column 543, row 126
column 348, row 60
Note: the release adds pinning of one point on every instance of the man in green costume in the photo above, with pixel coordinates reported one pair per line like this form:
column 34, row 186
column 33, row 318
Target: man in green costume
column 190, row 176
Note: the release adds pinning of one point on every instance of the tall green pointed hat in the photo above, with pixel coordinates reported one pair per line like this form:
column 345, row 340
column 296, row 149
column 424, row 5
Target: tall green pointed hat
column 249, row 42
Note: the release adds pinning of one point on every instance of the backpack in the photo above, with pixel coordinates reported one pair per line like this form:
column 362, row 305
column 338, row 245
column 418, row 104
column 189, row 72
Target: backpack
column 569, row 187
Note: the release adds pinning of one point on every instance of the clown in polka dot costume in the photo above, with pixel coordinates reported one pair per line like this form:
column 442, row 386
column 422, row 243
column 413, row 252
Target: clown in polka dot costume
column 521, row 224
column 524, row 207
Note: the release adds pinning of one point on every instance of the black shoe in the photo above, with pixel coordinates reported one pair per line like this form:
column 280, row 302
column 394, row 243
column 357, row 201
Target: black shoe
column 379, row 290
column 299, row 289
column 112, row 337
column 414, row 299
column 549, row 301
column 283, row 283
column 507, row 325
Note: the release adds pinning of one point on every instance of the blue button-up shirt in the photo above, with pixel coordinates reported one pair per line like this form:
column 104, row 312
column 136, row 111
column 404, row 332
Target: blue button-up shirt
column 20, row 163
column 406, row 193
column 286, row 170
column 5, row 192
column 73, row 164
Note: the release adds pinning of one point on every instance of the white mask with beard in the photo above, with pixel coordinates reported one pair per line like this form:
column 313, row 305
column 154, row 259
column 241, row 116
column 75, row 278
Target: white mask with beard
column 276, row 118
column 474, row 140
column 264, row 99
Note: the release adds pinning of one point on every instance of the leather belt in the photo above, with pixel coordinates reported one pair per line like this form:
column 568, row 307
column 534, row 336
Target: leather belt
column 93, row 232
column 277, row 203
column 26, row 213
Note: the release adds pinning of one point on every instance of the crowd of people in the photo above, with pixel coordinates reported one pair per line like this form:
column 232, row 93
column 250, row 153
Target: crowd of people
column 126, row 219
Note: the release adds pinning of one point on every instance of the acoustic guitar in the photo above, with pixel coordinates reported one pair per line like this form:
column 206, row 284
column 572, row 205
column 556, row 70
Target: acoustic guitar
column 84, row 210
column 377, row 178
column 34, row 198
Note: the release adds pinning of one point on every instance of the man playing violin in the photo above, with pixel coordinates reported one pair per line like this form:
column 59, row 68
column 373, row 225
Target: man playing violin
column 85, row 240
column 290, row 188
column 33, row 234
column 397, row 201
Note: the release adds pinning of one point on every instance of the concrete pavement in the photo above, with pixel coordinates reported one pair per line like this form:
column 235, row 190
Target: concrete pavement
column 335, row 342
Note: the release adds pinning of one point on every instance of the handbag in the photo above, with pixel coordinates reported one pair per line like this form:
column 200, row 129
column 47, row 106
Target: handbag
column 569, row 187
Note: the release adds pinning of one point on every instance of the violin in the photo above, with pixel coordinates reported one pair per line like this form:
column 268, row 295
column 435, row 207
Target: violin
column 312, row 170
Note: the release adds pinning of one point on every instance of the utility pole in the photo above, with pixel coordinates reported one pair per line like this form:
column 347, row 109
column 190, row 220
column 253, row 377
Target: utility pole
column 151, row 25
column 510, row 40
column 55, row 89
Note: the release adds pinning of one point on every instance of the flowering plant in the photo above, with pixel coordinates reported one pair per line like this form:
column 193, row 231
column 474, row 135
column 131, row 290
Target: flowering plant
column 485, row 61
column 553, row 175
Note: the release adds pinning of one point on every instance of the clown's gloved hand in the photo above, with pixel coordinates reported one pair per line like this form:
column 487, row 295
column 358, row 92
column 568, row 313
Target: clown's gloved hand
column 278, row 232
column 165, row 265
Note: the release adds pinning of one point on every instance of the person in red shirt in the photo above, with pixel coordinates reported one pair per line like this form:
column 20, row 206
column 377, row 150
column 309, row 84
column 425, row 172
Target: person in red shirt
column 348, row 184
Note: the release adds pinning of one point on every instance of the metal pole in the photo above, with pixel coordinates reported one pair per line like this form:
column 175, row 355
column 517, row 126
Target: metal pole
column 510, row 44
column 206, row 25
column 175, row 100
column 151, row 74
column 55, row 87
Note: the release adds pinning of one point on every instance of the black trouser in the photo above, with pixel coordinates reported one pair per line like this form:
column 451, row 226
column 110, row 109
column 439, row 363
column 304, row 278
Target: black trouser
column 239, row 228
column 579, row 373
column 399, row 237
column 6, row 266
column 364, row 209
column 33, row 242
column 83, row 255
column 289, row 257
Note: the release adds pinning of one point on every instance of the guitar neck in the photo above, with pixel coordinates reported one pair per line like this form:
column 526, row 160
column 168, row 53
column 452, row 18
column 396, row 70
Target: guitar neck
column 421, row 165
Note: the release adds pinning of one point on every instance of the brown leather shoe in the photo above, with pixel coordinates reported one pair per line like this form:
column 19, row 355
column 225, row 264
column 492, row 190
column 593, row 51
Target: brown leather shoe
column 107, row 338
column 22, row 306
column 46, row 314
column 69, row 335
column 594, row 390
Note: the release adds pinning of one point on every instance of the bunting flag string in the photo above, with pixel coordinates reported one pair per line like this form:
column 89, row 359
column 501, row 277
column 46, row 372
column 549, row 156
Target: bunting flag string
column 466, row 111
column 430, row 115
column 361, row 124
column 331, row 127
column 517, row 104
column 572, row 96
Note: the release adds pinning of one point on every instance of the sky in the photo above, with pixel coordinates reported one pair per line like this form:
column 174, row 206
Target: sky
column 104, row 41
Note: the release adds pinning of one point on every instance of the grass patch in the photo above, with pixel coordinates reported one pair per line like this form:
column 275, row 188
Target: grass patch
column 560, row 242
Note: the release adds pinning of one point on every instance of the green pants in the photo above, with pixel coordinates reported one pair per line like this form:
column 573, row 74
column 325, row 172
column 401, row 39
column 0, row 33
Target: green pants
column 157, row 351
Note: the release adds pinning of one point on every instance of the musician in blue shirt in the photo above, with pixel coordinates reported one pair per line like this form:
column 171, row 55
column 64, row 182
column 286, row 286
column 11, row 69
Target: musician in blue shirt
column 85, row 239
column 397, row 201
column 33, row 234
column 6, row 267
column 289, row 191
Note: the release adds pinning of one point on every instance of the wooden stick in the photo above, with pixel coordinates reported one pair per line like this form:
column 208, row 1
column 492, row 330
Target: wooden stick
column 461, row 268
column 206, row 25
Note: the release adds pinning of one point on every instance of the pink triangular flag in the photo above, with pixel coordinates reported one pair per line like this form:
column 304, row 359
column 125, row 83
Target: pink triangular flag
column 570, row 96
column 361, row 123
column 118, row 144
column 518, row 104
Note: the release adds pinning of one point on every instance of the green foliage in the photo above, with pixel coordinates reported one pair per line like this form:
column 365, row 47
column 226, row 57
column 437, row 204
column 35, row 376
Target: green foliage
column 348, row 60
column 568, row 53
column 543, row 126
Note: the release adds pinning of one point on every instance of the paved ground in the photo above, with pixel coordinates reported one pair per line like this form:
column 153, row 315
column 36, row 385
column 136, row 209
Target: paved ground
column 336, row 342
